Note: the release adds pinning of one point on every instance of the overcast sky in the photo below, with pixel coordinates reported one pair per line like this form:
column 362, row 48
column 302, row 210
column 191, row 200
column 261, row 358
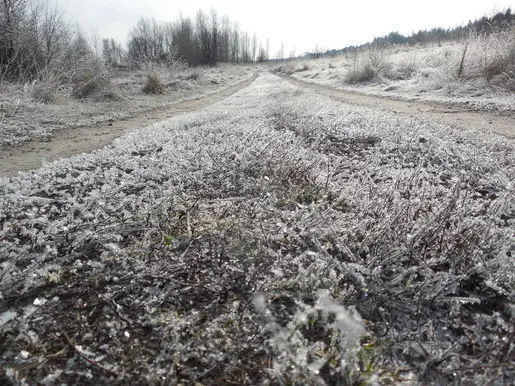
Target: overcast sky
column 299, row 24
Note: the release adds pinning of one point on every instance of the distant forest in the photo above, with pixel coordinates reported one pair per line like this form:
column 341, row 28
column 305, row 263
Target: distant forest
column 484, row 25
column 206, row 40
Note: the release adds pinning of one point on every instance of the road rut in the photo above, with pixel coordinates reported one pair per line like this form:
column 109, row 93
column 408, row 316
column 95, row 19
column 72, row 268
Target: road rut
column 68, row 142
column 484, row 121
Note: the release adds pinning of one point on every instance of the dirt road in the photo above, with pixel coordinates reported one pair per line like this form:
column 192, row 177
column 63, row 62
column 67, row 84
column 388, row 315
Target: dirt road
column 66, row 143
column 450, row 115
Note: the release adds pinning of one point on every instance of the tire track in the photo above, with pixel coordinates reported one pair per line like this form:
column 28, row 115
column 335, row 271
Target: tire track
column 483, row 121
column 68, row 142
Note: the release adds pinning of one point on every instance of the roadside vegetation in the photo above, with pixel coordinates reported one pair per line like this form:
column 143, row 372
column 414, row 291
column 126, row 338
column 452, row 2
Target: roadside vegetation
column 473, row 65
column 54, row 76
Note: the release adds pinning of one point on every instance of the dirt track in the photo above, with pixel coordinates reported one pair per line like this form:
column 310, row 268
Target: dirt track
column 66, row 143
column 450, row 115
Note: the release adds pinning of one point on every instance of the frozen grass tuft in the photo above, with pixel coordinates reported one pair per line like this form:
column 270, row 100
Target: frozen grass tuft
column 360, row 75
column 292, row 67
column 90, row 79
column 153, row 84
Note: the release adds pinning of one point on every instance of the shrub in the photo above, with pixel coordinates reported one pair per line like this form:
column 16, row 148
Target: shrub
column 496, row 66
column 192, row 74
column 290, row 68
column 404, row 70
column 153, row 85
column 368, row 65
column 305, row 67
column 359, row 75
column 44, row 90
column 90, row 79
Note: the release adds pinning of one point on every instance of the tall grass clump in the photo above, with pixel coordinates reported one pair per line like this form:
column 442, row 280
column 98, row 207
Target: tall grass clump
column 367, row 65
column 490, row 56
column 90, row 79
column 45, row 89
column 292, row 67
column 153, row 84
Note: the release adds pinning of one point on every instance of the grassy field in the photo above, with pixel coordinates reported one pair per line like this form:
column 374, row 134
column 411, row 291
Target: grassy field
column 276, row 237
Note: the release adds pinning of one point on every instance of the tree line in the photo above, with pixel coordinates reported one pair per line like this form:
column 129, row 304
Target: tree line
column 36, row 38
column 484, row 25
column 208, row 39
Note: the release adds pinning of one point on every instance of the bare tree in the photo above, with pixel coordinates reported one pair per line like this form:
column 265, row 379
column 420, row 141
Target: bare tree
column 261, row 56
column 235, row 43
column 95, row 42
column 225, row 38
column 113, row 53
column 280, row 52
column 245, row 47
column 317, row 52
column 253, row 48
column 55, row 32
column 292, row 53
column 215, row 38
column 184, row 43
column 203, row 37
column 33, row 35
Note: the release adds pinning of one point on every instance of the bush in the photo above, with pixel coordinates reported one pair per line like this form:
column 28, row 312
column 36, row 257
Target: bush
column 44, row 90
column 404, row 70
column 193, row 74
column 290, row 68
column 359, row 75
column 367, row 65
column 496, row 66
column 153, row 85
column 305, row 67
column 90, row 79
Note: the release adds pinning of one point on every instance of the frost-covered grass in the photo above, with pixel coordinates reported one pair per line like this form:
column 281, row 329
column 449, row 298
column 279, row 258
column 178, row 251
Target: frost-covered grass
column 23, row 117
column 277, row 237
column 484, row 80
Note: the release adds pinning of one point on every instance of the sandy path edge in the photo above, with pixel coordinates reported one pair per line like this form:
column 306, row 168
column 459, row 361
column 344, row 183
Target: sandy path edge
column 484, row 121
column 68, row 142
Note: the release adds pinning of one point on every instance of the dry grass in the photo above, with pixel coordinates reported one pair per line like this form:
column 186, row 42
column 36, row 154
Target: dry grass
column 361, row 74
column 153, row 85
column 292, row 67
column 90, row 79
column 367, row 65
column 479, row 58
column 277, row 237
